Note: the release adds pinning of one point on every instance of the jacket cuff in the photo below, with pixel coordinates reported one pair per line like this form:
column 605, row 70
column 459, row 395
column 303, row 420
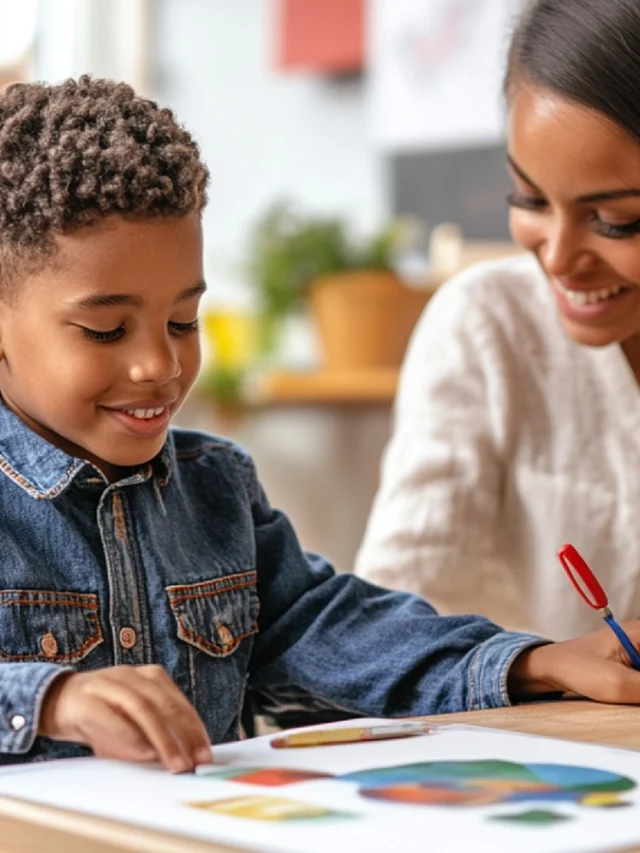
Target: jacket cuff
column 490, row 667
column 23, row 688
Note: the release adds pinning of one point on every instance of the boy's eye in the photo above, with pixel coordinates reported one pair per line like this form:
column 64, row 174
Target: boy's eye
column 116, row 334
column 103, row 337
column 184, row 328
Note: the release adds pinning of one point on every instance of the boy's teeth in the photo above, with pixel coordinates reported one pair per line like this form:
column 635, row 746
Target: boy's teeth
column 145, row 413
column 582, row 297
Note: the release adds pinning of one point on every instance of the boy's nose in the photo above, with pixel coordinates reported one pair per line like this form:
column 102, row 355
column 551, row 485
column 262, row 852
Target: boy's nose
column 158, row 364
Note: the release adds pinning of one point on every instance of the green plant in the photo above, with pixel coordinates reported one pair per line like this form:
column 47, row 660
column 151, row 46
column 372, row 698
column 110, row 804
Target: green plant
column 223, row 384
column 289, row 250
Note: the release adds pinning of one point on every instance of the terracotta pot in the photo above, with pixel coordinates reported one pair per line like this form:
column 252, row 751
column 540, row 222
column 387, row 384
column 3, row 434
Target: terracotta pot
column 364, row 318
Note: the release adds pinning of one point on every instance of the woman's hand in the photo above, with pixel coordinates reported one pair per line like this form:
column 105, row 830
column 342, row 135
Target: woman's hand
column 595, row 667
column 129, row 713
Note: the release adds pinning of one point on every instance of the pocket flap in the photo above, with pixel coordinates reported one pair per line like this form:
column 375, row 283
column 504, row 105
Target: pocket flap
column 216, row 615
column 46, row 625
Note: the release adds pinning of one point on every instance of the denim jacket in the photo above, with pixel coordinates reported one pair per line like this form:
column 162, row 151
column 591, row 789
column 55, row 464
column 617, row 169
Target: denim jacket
column 185, row 564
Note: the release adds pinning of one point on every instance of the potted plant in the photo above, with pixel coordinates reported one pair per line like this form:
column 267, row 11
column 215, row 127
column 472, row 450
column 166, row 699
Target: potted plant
column 364, row 313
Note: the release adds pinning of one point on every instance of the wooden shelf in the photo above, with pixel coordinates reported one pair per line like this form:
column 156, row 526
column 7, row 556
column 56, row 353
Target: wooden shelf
column 353, row 387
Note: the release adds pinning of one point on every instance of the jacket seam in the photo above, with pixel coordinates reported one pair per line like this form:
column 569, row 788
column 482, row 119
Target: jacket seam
column 84, row 649
column 43, row 602
column 246, row 579
column 38, row 492
column 207, row 645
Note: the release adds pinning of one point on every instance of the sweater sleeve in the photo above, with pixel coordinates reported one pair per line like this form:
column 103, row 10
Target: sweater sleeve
column 434, row 526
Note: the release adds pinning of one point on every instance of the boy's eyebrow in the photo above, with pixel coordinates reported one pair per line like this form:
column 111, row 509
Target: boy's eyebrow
column 590, row 198
column 102, row 300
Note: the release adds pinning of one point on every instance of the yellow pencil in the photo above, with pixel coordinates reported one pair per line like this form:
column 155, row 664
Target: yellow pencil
column 328, row 737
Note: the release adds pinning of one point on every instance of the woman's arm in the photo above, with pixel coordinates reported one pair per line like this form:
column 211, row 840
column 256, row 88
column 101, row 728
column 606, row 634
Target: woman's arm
column 435, row 524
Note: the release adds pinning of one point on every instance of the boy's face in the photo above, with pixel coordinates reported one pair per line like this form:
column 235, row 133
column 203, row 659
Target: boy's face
column 101, row 347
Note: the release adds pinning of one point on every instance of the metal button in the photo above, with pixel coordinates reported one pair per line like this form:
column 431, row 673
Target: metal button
column 49, row 645
column 225, row 635
column 18, row 722
column 127, row 638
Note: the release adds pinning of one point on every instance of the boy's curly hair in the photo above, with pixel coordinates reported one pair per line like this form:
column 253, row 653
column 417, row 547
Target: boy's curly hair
column 74, row 153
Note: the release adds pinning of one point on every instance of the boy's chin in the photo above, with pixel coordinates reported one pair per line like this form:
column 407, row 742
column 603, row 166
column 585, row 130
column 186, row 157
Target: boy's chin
column 134, row 458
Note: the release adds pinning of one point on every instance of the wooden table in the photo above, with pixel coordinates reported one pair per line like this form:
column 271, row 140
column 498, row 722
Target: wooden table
column 28, row 828
column 372, row 387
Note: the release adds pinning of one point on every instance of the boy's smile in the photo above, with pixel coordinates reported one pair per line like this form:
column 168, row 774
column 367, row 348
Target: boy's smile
column 100, row 347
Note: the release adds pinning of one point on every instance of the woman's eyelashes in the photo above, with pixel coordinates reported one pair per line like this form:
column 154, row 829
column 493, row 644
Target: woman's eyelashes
column 112, row 335
column 526, row 202
column 617, row 232
column 605, row 229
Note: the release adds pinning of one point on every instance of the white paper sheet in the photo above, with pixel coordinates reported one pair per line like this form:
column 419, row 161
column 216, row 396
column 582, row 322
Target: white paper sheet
column 150, row 797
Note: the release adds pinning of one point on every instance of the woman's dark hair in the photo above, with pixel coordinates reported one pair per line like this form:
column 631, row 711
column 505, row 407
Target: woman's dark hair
column 587, row 51
column 74, row 153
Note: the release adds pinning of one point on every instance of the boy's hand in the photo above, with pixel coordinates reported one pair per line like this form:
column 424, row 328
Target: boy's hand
column 595, row 666
column 130, row 713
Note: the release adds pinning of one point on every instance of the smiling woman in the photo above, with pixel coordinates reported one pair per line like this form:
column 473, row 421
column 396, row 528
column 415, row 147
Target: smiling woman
column 519, row 408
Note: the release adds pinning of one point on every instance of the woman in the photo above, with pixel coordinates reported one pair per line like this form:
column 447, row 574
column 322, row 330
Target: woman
column 518, row 414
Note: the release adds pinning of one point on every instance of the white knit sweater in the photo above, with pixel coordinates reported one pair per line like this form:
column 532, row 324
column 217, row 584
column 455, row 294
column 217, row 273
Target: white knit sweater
column 509, row 441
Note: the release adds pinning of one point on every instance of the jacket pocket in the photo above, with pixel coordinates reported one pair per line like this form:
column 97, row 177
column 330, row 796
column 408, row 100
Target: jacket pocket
column 216, row 615
column 47, row 625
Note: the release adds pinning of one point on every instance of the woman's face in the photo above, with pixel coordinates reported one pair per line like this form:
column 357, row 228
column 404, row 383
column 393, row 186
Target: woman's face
column 576, row 206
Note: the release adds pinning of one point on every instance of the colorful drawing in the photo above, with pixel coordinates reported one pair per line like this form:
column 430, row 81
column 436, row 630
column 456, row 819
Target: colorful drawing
column 268, row 777
column 484, row 783
column 466, row 783
column 534, row 817
column 270, row 809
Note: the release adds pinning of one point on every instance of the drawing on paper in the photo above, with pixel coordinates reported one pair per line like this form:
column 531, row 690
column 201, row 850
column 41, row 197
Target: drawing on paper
column 533, row 817
column 271, row 809
column 450, row 783
column 489, row 782
column 270, row 777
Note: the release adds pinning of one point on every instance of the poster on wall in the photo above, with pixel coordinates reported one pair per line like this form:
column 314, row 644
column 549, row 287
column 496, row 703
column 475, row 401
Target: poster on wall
column 436, row 71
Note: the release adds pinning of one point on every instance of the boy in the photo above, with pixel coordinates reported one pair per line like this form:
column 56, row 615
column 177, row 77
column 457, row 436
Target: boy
column 147, row 583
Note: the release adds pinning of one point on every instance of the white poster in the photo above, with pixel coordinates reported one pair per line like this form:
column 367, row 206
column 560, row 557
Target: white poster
column 436, row 71
column 456, row 790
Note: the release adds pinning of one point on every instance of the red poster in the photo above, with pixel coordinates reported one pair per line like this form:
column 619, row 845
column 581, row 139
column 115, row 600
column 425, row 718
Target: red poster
column 327, row 36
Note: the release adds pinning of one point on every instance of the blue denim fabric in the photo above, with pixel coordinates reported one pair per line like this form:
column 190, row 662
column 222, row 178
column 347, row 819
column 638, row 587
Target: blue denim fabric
column 188, row 553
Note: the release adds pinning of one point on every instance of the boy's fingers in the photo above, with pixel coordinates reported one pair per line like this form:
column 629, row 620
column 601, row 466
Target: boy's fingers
column 179, row 713
column 143, row 710
column 110, row 734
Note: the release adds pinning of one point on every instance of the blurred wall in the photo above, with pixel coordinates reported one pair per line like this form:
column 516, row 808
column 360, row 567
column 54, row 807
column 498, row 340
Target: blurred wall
column 267, row 135
column 264, row 134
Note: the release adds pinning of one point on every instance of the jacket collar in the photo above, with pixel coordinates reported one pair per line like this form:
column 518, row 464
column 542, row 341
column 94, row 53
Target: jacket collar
column 44, row 471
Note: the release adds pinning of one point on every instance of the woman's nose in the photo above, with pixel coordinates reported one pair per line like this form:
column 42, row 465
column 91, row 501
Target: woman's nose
column 562, row 251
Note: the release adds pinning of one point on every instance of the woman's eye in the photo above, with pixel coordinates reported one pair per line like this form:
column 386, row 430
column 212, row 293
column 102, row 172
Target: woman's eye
column 525, row 202
column 184, row 328
column 617, row 232
column 103, row 337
